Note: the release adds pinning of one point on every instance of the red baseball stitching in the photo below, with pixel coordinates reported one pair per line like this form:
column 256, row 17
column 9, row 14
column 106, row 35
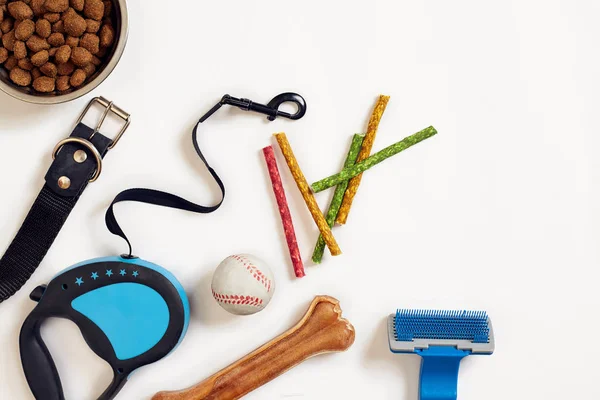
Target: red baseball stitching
column 237, row 299
column 254, row 271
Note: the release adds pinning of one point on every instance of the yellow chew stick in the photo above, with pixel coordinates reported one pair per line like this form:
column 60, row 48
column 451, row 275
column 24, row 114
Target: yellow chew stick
column 365, row 152
column 307, row 194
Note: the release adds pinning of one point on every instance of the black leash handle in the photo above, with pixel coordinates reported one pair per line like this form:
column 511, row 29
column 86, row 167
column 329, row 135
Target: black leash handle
column 164, row 199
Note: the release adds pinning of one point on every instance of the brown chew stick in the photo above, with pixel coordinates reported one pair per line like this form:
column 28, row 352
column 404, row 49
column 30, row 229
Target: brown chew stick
column 321, row 330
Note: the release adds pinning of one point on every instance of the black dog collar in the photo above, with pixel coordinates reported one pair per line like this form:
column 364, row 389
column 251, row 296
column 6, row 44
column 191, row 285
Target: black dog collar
column 77, row 162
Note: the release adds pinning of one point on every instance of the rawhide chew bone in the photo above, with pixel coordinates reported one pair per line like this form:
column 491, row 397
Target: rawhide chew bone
column 321, row 330
column 365, row 152
column 309, row 198
column 284, row 212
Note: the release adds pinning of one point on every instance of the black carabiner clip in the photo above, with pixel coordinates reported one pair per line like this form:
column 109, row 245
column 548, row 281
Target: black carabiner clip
column 271, row 109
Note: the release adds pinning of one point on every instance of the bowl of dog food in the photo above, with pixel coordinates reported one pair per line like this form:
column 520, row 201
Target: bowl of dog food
column 54, row 51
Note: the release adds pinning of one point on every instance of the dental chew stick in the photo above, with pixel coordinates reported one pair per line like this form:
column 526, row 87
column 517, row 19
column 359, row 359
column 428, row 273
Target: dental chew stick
column 365, row 151
column 375, row 159
column 338, row 195
column 309, row 198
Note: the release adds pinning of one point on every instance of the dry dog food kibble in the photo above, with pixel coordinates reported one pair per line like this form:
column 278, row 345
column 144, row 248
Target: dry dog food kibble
column 54, row 45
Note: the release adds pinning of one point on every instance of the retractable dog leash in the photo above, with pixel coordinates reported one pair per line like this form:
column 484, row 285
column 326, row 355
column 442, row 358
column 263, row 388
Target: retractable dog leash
column 130, row 312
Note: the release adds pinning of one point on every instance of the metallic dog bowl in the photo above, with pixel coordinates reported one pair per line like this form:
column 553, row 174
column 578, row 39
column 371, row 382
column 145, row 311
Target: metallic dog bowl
column 29, row 95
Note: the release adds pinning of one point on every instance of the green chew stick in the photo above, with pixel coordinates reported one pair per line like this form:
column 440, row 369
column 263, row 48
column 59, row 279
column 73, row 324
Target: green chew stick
column 338, row 196
column 373, row 160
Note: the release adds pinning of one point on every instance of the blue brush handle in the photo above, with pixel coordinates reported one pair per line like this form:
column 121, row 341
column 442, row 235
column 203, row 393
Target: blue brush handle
column 439, row 372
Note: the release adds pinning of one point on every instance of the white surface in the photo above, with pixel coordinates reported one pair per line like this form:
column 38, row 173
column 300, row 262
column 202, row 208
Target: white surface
column 242, row 284
column 497, row 212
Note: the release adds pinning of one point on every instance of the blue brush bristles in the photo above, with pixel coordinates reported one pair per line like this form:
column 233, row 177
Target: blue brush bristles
column 442, row 324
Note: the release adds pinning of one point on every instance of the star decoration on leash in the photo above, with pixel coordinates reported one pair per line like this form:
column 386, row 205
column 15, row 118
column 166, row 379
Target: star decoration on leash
column 79, row 281
column 109, row 272
column 94, row 275
column 123, row 273
column 135, row 274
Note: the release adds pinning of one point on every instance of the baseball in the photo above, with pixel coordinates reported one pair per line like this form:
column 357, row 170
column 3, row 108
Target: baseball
column 243, row 284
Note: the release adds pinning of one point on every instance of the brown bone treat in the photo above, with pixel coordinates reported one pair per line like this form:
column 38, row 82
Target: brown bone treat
column 25, row 64
column 321, row 330
column 8, row 41
column 44, row 84
column 20, row 11
column 43, row 28
column 65, row 69
column 36, row 43
column 38, row 7
column 40, row 58
column 49, row 70
column 94, row 9
column 62, row 83
column 10, row 63
column 4, row 55
column 20, row 50
column 25, row 30
column 75, row 25
column 77, row 5
column 20, row 77
column 77, row 78
column 52, row 17
column 63, row 54
column 56, row 39
column 57, row 6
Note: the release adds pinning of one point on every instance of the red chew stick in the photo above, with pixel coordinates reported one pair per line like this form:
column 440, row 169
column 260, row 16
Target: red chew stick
column 284, row 211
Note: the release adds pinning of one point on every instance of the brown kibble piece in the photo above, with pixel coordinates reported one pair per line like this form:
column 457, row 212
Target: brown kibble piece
column 20, row 77
column 68, row 13
column 75, row 25
column 49, row 69
column 56, row 39
column 77, row 78
column 36, row 43
column 52, row 17
column 38, row 7
column 20, row 50
column 72, row 41
column 1, row 15
column 40, row 58
column 96, row 61
column 93, row 26
column 89, row 70
column 103, row 51
column 94, row 9
column 107, row 35
column 25, row 30
column 43, row 28
column 8, row 41
column 63, row 54
column 80, row 56
column 90, row 42
column 25, row 64
column 58, row 27
column 62, row 83
column 10, row 63
column 36, row 73
column 57, row 6
column 107, row 8
column 21, row 11
column 52, row 51
column 3, row 55
column 65, row 68
column 44, row 84
column 7, row 25
column 77, row 4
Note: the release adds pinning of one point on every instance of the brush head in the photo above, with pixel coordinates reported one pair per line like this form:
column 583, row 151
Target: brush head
column 412, row 330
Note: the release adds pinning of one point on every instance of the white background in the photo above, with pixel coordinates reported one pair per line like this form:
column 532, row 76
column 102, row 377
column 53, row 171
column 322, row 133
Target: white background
column 499, row 211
